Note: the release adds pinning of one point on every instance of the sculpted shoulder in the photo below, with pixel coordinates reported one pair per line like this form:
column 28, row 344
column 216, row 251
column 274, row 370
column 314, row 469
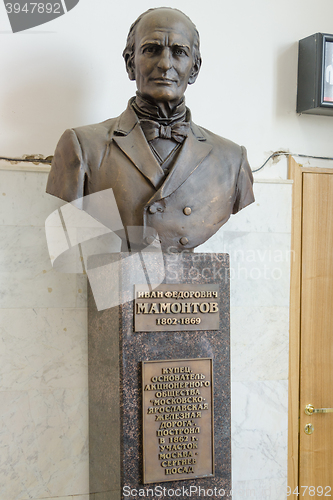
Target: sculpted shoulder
column 97, row 132
column 222, row 147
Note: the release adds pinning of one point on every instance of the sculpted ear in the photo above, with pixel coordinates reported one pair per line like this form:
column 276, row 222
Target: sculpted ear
column 129, row 61
column 195, row 71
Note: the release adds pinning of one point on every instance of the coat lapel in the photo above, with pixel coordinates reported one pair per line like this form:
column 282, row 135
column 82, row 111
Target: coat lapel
column 191, row 155
column 132, row 142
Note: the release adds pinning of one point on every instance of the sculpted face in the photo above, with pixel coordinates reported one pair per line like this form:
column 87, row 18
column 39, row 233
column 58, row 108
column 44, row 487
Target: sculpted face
column 163, row 60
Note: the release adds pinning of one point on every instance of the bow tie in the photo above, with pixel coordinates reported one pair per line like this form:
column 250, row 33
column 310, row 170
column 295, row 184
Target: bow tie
column 179, row 131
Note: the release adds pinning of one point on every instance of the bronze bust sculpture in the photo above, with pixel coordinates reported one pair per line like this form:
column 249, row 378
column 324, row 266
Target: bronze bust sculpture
column 166, row 172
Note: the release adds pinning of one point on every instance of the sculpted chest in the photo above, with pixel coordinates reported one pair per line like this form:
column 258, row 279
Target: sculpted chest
column 185, row 208
column 209, row 179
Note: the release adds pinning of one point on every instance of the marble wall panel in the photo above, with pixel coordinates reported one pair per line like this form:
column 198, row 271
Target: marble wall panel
column 79, row 497
column 44, row 443
column 43, row 348
column 71, row 497
column 270, row 213
column 61, row 420
column 259, row 268
column 43, row 354
column 19, row 453
column 258, row 241
column 260, row 430
column 23, row 201
column 259, row 343
column 81, row 291
column 261, row 489
column 26, row 275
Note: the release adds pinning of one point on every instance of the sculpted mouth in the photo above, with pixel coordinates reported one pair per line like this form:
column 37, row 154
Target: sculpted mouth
column 164, row 80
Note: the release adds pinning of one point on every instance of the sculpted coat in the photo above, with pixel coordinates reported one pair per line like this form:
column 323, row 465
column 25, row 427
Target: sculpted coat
column 210, row 178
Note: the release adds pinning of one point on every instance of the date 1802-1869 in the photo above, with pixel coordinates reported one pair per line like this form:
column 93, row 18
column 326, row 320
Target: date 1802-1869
column 178, row 321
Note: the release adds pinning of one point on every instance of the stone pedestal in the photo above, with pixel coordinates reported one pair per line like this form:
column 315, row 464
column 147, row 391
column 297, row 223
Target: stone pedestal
column 115, row 384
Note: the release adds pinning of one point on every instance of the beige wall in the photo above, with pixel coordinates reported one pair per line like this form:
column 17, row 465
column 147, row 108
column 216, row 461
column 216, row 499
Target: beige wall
column 70, row 72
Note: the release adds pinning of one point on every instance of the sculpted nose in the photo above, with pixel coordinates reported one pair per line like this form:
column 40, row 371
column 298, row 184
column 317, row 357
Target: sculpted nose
column 165, row 62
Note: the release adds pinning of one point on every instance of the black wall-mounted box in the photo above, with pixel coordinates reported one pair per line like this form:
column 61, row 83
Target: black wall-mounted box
column 315, row 75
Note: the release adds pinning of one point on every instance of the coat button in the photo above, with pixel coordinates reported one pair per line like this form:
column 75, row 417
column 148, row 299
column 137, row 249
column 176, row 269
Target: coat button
column 183, row 240
column 187, row 211
column 152, row 209
column 150, row 240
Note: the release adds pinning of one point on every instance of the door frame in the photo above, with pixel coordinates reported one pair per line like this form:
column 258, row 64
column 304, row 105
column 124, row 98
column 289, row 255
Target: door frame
column 295, row 173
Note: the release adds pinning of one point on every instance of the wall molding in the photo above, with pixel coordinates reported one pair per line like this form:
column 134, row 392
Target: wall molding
column 24, row 167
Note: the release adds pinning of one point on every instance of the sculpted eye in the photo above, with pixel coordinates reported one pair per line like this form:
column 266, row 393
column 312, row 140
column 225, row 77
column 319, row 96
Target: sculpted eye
column 179, row 51
column 152, row 49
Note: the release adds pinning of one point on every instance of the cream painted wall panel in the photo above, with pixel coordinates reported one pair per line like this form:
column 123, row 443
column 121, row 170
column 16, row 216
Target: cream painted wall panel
column 70, row 72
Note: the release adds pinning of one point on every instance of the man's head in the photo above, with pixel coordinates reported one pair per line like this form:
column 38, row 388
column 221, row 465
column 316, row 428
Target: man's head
column 162, row 54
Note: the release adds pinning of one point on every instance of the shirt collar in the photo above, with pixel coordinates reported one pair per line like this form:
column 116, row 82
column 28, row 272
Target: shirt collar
column 149, row 110
column 128, row 120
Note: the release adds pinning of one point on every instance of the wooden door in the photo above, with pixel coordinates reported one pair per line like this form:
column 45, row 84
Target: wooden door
column 315, row 333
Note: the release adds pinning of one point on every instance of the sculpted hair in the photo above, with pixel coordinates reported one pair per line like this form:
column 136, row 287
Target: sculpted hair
column 129, row 50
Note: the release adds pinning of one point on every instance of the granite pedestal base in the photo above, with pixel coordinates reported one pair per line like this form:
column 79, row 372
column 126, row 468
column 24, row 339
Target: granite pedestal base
column 115, row 386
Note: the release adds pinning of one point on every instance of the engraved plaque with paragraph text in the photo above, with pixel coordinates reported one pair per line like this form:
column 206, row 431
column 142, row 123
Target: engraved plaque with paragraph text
column 178, row 435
